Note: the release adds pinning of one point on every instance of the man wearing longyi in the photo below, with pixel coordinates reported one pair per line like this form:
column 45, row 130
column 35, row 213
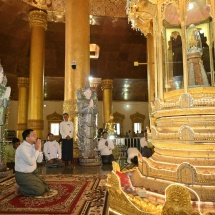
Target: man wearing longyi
column 28, row 183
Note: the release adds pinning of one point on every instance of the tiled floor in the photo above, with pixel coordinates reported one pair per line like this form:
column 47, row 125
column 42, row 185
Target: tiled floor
column 75, row 169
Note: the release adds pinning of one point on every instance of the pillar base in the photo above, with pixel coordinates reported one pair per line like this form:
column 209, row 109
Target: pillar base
column 89, row 161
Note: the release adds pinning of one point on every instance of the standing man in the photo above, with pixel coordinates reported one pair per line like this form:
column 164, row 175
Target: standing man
column 52, row 152
column 105, row 146
column 10, row 150
column 28, row 183
column 66, row 131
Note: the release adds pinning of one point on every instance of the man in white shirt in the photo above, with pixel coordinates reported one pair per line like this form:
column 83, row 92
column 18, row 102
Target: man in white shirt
column 143, row 140
column 27, row 155
column 52, row 152
column 105, row 146
column 66, row 131
column 146, row 150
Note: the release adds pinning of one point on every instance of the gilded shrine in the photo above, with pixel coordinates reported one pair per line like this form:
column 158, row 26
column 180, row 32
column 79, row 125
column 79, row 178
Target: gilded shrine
column 182, row 111
column 182, row 108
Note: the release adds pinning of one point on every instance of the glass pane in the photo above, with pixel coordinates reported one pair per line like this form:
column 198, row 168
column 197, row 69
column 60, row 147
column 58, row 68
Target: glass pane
column 55, row 128
column 173, row 54
column 198, row 41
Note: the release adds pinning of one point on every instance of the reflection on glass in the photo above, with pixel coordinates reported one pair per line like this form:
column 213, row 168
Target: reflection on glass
column 174, row 56
column 175, row 60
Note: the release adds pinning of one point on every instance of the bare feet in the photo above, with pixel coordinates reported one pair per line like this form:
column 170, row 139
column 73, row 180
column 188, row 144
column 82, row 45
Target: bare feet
column 16, row 187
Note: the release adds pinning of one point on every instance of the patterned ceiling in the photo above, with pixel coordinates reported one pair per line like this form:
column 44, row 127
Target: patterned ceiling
column 119, row 45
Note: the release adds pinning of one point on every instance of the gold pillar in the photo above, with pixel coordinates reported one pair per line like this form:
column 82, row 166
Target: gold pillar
column 183, row 11
column 212, row 46
column 160, row 55
column 22, row 106
column 77, row 43
column 38, row 24
column 107, row 87
column 150, row 68
column 151, row 72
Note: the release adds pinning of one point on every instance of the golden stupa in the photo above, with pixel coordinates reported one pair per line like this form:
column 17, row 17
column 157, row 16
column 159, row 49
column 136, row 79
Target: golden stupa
column 180, row 43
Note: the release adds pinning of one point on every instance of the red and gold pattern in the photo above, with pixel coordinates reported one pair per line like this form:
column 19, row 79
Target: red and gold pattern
column 69, row 194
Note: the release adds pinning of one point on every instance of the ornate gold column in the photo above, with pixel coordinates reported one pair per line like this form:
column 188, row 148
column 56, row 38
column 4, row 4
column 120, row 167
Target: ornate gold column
column 211, row 46
column 155, row 44
column 183, row 10
column 150, row 68
column 107, row 87
column 160, row 56
column 151, row 72
column 22, row 105
column 38, row 24
column 77, row 52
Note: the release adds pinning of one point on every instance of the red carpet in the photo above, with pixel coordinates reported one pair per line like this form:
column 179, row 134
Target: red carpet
column 70, row 194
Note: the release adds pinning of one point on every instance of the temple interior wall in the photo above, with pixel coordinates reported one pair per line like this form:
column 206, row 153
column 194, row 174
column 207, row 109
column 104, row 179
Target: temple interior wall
column 125, row 108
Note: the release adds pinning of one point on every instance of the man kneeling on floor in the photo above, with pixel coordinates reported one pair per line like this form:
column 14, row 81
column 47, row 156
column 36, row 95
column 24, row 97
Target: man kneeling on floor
column 52, row 152
column 28, row 183
column 105, row 146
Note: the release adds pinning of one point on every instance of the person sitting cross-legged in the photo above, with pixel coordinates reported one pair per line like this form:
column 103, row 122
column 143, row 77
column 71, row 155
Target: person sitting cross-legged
column 52, row 152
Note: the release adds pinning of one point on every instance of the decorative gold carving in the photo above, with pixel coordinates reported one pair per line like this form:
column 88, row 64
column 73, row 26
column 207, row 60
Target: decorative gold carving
column 23, row 82
column 55, row 116
column 154, row 133
column 187, row 153
column 38, row 18
column 178, row 201
column 145, row 168
column 107, row 84
column 141, row 14
column 186, row 133
column 202, row 162
column 178, row 197
column 186, row 173
column 183, row 145
column 21, row 126
column 56, row 8
column 157, row 104
column 35, row 124
column 128, row 203
column 70, row 107
column 186, row 100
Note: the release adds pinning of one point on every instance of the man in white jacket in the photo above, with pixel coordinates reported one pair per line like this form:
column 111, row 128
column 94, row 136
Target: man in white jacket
column 66, row 131
column 52, row 152
column 105, row 146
